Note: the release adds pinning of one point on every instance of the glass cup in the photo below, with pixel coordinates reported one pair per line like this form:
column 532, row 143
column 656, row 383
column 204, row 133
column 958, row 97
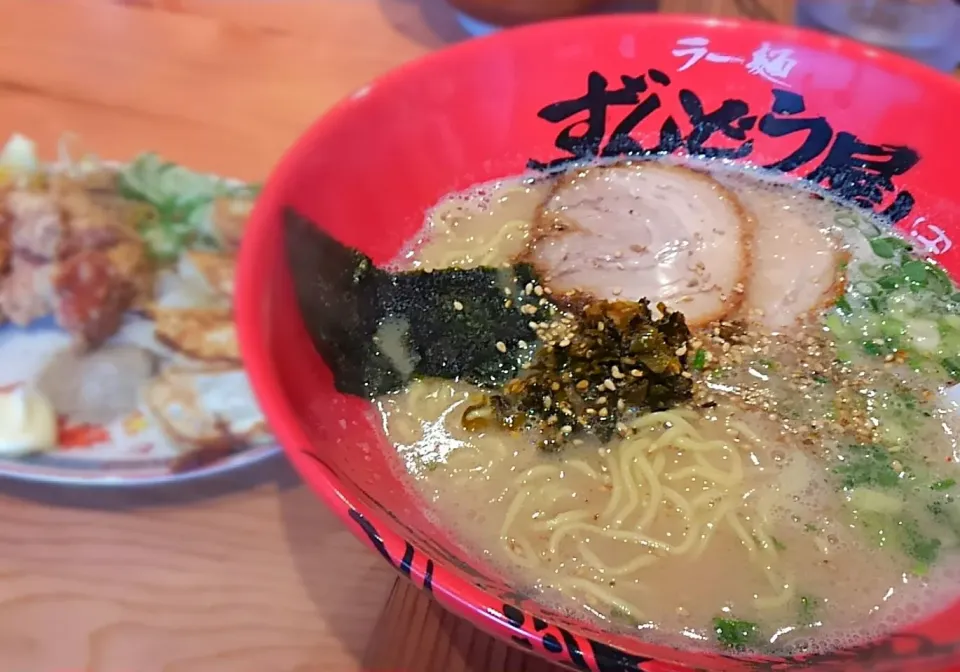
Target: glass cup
column 479, row 17
column 925, row 30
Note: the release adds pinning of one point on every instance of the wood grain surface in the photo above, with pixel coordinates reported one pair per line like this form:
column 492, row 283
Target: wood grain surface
column 248, row 572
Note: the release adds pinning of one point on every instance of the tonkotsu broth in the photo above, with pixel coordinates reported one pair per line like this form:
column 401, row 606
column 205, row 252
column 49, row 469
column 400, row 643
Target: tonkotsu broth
column 728, row 508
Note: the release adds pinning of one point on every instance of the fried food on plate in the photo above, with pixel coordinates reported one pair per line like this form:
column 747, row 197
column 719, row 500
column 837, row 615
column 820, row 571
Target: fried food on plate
column 131, row 261
column 26, row 292
column 72, row 258
column 215, row 269
column 206, row 407
column 90, row 297
column 205, row 334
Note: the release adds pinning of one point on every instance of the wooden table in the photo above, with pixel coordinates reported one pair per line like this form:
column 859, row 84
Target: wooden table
column 248, row 573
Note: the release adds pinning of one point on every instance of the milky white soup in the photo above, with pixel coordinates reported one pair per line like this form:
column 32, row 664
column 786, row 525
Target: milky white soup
column 802, row 500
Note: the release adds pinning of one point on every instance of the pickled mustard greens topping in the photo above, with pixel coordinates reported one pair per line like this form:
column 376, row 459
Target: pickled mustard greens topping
column 898, row 307
column 596, row 367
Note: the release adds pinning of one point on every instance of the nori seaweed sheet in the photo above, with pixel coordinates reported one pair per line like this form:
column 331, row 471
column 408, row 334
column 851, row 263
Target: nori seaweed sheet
column 461, row 343
column 453, row 318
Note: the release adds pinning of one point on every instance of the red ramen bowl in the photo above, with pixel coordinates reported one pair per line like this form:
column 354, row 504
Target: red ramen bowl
column 865, row 124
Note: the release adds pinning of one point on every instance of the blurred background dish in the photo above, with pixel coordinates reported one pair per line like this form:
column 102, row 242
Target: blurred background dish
column 924, row 30
column 479, row 17
column 919, row 29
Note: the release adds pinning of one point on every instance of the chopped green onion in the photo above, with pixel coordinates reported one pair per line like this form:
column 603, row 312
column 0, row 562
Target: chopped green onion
column 915, row 272
column 887, row 247
column 736, row 634
column 843, row 305
column 808, row 610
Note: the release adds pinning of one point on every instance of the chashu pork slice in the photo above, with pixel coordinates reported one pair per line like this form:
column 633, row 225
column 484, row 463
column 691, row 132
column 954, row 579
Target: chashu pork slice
column 645, row 230
column 797, row 268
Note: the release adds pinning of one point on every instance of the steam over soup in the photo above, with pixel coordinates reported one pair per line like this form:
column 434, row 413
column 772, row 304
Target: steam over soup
column 792, row 487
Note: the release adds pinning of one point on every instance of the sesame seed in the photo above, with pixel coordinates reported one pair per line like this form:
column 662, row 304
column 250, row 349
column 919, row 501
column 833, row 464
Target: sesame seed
column 522, row 345
column 636, row 373
column 607, row 383
column 582, row 385
column 457, row 305
column 603, row 413
column 566, row 429
column 529, row 288
column 600, row 326
column 501, row 346
column 564, row 342
column 615, row 372
column 547, row 402
column 617, row 291
column 538, row 290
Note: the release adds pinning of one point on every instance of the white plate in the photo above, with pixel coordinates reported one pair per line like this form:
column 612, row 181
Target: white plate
column 128, row 451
